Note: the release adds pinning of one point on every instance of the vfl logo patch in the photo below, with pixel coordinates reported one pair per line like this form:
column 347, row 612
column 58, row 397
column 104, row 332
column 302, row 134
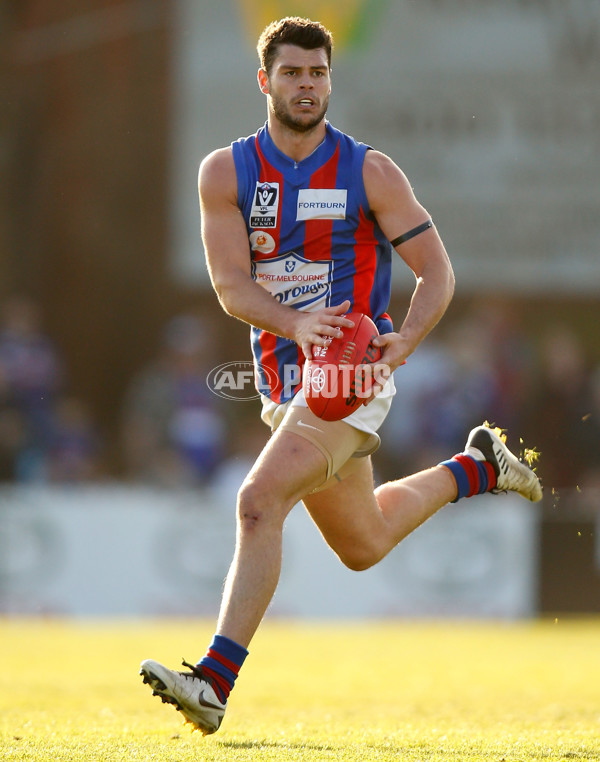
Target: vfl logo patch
column 321, row 204
column 265, row 206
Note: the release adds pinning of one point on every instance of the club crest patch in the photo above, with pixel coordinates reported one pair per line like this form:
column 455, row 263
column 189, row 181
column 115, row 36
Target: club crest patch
column 265, row 205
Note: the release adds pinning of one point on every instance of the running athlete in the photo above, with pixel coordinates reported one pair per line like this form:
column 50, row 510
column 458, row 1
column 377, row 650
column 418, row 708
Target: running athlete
column 299, row 223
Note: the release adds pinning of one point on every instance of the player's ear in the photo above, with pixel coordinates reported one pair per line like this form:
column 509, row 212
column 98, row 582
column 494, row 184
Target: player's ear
column 263, row 81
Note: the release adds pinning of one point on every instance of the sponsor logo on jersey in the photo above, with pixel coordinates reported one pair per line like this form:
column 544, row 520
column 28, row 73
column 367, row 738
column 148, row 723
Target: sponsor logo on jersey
column 265, row 205
column 295, row 281
column 262, row 242
column 321, row 204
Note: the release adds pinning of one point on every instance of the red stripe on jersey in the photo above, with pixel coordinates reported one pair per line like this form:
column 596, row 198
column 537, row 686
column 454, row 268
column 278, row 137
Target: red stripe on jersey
column 365, row 263
column 317, row 233
column 269, row 174
column 301, row 361
column 268, row 342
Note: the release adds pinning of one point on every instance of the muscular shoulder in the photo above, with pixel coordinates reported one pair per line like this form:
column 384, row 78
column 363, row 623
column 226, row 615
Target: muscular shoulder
column 217, row 177
column 390, row 196
column 383, row 177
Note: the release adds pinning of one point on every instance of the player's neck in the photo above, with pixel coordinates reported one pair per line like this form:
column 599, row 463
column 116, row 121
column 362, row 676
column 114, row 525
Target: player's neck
column 296, row 145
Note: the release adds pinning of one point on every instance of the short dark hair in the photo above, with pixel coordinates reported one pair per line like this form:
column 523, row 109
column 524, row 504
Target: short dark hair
column 292, row 30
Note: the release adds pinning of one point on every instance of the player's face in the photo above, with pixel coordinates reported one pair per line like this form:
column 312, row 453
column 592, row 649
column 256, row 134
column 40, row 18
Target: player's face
column 298, row 87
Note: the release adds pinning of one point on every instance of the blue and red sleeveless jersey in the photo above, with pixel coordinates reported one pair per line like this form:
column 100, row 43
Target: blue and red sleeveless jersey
column 313, row 239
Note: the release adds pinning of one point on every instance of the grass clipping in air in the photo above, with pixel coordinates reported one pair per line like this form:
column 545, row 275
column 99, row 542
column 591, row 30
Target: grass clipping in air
column 527, row 454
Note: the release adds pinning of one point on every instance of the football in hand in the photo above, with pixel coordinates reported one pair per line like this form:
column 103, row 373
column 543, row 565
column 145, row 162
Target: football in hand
column 338, row 378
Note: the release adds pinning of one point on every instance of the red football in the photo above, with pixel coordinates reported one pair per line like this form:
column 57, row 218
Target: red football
column 334, row 384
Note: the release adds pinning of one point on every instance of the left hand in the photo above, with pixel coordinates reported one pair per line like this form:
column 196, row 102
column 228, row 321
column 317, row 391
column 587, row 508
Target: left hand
column 394, row 351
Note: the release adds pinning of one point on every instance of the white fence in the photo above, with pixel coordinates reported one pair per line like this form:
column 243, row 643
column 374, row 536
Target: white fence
column 119, row 551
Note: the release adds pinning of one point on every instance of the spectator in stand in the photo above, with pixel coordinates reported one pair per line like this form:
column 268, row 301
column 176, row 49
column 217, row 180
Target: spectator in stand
column 173, row 429
column 31, row 378
column 74, row 450
column 558, row 409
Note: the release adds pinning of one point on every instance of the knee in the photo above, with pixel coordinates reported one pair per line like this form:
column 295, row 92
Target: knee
column 386, row 496
column 360, row 558
column 250, row 504
column 257, row 506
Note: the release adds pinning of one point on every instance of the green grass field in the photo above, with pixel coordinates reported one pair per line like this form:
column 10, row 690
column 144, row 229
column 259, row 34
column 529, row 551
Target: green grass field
column 397, row 690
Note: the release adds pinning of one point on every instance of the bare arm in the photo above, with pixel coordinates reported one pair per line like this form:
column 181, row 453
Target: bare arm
column 397, row 211
column 228, row 257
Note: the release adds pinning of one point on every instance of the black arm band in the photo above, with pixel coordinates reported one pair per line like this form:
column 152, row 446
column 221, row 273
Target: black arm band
column 412, row 233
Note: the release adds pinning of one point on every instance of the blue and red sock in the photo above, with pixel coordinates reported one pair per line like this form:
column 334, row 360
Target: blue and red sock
column 472, row 476
column 222, row 663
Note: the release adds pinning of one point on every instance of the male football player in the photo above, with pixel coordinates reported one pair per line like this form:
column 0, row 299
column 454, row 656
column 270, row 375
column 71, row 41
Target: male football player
column 300, row 223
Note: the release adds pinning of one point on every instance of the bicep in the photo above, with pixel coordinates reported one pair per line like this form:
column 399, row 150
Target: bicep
column 398, row 211
column 223, row 229
column 225, row 244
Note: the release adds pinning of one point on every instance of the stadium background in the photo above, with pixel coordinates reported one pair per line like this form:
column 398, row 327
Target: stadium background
column 494, row 114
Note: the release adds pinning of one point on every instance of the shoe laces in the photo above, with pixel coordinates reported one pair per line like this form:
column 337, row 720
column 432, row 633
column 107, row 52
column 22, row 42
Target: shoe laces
column 194, row 671
column 197, row 673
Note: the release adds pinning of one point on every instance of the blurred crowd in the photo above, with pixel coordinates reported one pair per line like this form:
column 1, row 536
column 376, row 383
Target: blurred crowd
column 47, row 434
column 174, row 431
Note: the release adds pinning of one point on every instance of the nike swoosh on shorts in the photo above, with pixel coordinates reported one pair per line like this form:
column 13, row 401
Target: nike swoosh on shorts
column 308, row 426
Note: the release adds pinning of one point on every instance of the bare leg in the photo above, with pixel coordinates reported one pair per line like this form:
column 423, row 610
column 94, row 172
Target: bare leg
column 286, row 470
column 362, row 525
column 406, row 503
